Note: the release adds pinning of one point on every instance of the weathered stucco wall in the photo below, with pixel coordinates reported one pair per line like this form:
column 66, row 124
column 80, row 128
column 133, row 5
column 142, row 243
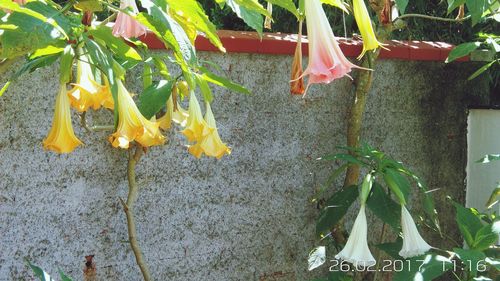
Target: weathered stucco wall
column 246, row 217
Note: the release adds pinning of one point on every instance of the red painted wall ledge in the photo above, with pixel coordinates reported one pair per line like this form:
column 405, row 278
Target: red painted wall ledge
column 284, row 44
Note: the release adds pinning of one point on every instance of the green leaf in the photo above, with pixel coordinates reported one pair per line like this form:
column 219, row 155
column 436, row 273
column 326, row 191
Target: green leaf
column 204, row 88
column 366, row 187
column 330, row 180
column 468, row 223
column 252, row 18
column 223, row 82
column 195, row 15
column 104, row 61
column 476, row 9
column 344, row 157
column 128, row 55
column 31, row 33
column 287, row 5
column 470, row 258
column 398, row 184
column 426, row 267
column 484, row 238
column 88, row 5
column 381, row 204
column 462, row 50
column 392, row 248
column 40, row 273
column 66, row 65
column 49, row 50
column 402, row 5
column 31, row 65
column 336, row 3
column 64, row 277
column 147, row 76
column 169, row 31
column 481, row 70
column 493, row 198
column 335, row 210
column 155, row 97
column 316, row 258
column 30, row 9
column 453, row 4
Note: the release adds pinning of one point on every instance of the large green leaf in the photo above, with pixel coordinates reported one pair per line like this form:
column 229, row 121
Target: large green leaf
column 127, row 54
column 104, row 61
column 476, row 9
column 470, row 258
column 402, row 5
column 485, row 238
column 453, row 4
column 392, row 248
column 66, row 65
column 286, row 4
column 223, row 82
column 40, row 273
column 398, row 184
column 468, row 223
column 336, row 208
column 426, row 267
column 31, row 33
column 381, row 204
column 195, row 15
column 482, row 69
column 251, row 17
column 155, row 97
column 462, row 50
column 169, row 31
column 64, row 277
column 336, row 3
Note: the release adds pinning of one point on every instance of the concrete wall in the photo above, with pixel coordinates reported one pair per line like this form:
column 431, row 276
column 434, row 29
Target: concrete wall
column 246, row 217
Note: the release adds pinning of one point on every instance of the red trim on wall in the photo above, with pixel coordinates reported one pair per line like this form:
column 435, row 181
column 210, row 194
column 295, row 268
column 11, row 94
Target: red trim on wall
column 284, row 44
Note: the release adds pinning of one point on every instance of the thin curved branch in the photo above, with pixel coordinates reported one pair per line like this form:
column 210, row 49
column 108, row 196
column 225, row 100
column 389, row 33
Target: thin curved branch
column 128, row 207
column 431, row 18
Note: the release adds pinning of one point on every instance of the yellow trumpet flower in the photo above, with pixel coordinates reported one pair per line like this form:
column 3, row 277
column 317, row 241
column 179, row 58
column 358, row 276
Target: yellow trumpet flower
column 362, row 17
column 132, row 125
column 211, row 144
column 196, row 126
column 61, row 137
column 86, row 92
column 179, row 116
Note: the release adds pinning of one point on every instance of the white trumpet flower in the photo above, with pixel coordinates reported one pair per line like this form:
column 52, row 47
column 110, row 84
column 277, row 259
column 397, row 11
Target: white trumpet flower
column 356, row 249
column 413, row 243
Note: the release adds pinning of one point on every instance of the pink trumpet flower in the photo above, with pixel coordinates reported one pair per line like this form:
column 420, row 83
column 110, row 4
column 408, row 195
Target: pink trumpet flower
column 326, row 60
column 125, row 25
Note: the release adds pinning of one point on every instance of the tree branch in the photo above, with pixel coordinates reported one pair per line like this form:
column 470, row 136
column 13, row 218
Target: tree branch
column 430, row 18
column 128, row 208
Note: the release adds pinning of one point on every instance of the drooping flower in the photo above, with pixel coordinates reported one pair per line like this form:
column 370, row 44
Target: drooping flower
column 413, row 243
column 211, row 144
column 132, row 125
column 356, row 249
column 326, row 60
column 362, row 17
column 177, row 114
column 126, row 26
column 61, row 137
column 87, row 93
column 166, row 120
column 297, row 81
column 196, row 127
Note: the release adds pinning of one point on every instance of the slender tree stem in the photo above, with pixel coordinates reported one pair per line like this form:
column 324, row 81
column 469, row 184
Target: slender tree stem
column 363, row 83
column 128, row 207
column 431, row 18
